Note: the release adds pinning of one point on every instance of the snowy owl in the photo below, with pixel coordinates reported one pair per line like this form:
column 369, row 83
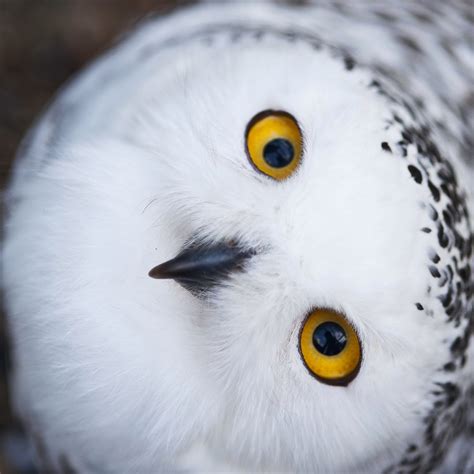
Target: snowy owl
column 240, row 241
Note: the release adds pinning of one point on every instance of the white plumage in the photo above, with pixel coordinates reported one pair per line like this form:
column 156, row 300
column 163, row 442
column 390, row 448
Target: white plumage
column 145, row 151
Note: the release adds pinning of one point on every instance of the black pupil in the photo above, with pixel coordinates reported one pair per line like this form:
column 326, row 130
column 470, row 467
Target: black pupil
column 329, row 338
column 278, row 153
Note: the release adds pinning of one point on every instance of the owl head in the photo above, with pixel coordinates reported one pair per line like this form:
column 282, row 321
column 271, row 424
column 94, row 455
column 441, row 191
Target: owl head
column 289, row 205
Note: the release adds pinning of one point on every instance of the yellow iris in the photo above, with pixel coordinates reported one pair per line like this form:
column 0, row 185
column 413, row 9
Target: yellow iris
column 330, row 347
column 274, row 143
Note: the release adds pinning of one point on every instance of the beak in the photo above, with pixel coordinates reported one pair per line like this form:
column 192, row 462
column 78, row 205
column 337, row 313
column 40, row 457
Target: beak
column 201, row 266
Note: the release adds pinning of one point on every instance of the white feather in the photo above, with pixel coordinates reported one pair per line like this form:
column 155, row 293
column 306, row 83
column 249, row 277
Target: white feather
column 146, row 149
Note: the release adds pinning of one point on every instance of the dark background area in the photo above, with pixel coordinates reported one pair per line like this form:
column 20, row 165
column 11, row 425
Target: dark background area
column 42, row 43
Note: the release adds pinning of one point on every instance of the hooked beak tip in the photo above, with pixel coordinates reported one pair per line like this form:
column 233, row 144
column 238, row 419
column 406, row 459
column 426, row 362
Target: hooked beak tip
column 156, row 273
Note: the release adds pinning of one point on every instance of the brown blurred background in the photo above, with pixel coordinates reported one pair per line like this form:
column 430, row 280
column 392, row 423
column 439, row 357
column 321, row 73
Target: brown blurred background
column 42, row 43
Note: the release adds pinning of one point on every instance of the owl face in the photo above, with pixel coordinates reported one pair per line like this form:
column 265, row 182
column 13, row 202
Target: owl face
column 278, row 184
column 295, row 229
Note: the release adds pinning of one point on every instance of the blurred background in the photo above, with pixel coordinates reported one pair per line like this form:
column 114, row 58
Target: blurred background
column 42, row 43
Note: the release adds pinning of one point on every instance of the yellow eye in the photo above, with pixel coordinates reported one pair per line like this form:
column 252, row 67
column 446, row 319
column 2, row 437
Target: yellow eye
column 330, row 347
column 274, row 143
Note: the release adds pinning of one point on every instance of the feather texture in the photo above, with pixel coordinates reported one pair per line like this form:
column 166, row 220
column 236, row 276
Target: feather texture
column 145, row 151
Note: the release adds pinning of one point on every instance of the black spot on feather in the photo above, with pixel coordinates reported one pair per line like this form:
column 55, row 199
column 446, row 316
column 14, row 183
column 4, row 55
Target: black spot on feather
column 415, row 173
column 434, row 191
column 434, row 271
column 349, row 63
